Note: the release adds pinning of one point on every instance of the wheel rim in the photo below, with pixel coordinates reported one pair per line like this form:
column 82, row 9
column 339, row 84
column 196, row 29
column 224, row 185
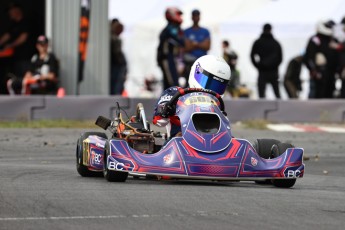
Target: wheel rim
column 105, row 168
column 79, row 155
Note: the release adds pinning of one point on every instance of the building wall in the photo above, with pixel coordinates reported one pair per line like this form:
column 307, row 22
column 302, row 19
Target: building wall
column 65, row 37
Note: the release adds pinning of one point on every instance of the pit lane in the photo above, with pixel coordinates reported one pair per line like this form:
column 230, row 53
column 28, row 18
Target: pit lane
column 41, row 189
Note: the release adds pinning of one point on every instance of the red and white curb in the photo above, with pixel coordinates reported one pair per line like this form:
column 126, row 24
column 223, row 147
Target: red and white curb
column 306, row 128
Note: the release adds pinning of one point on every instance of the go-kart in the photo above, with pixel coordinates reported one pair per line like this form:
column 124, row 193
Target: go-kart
column 205, row 150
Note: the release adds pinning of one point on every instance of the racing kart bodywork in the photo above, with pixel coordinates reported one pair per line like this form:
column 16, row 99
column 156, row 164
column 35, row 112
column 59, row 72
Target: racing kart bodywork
column 206, row 149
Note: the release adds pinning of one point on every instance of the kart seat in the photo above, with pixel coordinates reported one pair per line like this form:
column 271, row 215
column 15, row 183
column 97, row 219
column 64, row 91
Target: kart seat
column 138, row 125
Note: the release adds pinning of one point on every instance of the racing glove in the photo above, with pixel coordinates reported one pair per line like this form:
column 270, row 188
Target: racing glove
column 162, row 122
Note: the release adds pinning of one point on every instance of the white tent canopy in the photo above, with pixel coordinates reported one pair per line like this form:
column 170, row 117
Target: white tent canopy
column 239, row 21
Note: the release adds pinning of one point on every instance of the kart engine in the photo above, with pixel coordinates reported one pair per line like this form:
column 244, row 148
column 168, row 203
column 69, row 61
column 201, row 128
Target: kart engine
column 141, row 143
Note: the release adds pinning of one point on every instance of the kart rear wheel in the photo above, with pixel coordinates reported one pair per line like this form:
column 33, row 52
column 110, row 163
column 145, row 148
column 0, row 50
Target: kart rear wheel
column 81, row 168
column 283, row 183
column 263, row 147
column 111, row 175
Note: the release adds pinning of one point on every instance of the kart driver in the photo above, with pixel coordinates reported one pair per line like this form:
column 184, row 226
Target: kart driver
column 208, row 72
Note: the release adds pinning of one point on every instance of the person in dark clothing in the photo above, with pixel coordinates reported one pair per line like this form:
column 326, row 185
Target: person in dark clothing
column 18, row 38
column 332, row 66
column 230, row 57
column 118, row 61
column 339, row 46
column 292, row 80
column 5, row 68
column 321, row 61
column 42, row 75
column 170, row 41
column 342, row 63
column 266, row 56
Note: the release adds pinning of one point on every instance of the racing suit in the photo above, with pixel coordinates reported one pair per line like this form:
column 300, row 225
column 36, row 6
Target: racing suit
column 170, row 42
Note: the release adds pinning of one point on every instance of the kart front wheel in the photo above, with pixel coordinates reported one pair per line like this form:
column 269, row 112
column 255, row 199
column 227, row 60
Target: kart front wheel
column 283, row 183
column 263, row 148
column 81, row 168
column 111, row 175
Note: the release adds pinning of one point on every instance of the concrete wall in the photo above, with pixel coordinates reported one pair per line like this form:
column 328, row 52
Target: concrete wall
column 65, row 37
column 90, row 107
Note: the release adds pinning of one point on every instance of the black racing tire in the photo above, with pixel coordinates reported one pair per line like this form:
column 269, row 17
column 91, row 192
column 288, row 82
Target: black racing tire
column 283, row 183
column 111, row 175
column 82, row 169
column 263, row 182
column 263, row 147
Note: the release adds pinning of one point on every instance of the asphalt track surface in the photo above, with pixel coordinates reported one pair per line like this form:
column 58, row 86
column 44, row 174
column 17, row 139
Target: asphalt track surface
column 41, row 189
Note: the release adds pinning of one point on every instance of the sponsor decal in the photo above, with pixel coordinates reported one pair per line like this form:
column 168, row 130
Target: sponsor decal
column 96, row 158
column 168, row 158
column 198, row 68
column 165, row 98
column 120, row 166
column 218, row 79
column 199, row 100
column 253, row 161
column 116, row 166
column 99, row 145
column 293, row 173
column 221, row 72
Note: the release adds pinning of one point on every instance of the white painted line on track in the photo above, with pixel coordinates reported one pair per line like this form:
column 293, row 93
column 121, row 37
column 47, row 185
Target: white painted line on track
column 333, row 129
column 198, row 213
column 283, row 128
column 305, row 128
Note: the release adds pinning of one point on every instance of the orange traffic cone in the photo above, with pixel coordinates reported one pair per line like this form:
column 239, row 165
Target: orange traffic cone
column 124, row 93
column 61, row 92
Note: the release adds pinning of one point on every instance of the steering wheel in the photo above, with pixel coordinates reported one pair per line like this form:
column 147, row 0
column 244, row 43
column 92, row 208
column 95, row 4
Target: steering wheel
column 169, row 108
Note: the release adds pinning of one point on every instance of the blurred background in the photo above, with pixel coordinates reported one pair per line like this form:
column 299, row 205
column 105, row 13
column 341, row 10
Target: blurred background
column 238, row 21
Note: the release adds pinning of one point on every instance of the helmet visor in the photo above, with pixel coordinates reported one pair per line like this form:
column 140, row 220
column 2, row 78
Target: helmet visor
column 209, row 81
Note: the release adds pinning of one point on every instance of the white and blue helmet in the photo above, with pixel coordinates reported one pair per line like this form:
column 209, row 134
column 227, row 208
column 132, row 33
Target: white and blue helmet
column 210, row 72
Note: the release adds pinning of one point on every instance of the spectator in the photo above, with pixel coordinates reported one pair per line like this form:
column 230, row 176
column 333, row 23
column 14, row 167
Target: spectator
column 6, row 56
column 339, row 31
column 342, row 62
column 18, row 38
column 338, row 44
column 169, row 48
column 235, row 88
column 197, row 43
column 321, row 61
column 42, row 76
column 231, row 58
column 118, row 61
column 333, row 65
column 229, row 54
column 266, row 56
column 292, row 80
